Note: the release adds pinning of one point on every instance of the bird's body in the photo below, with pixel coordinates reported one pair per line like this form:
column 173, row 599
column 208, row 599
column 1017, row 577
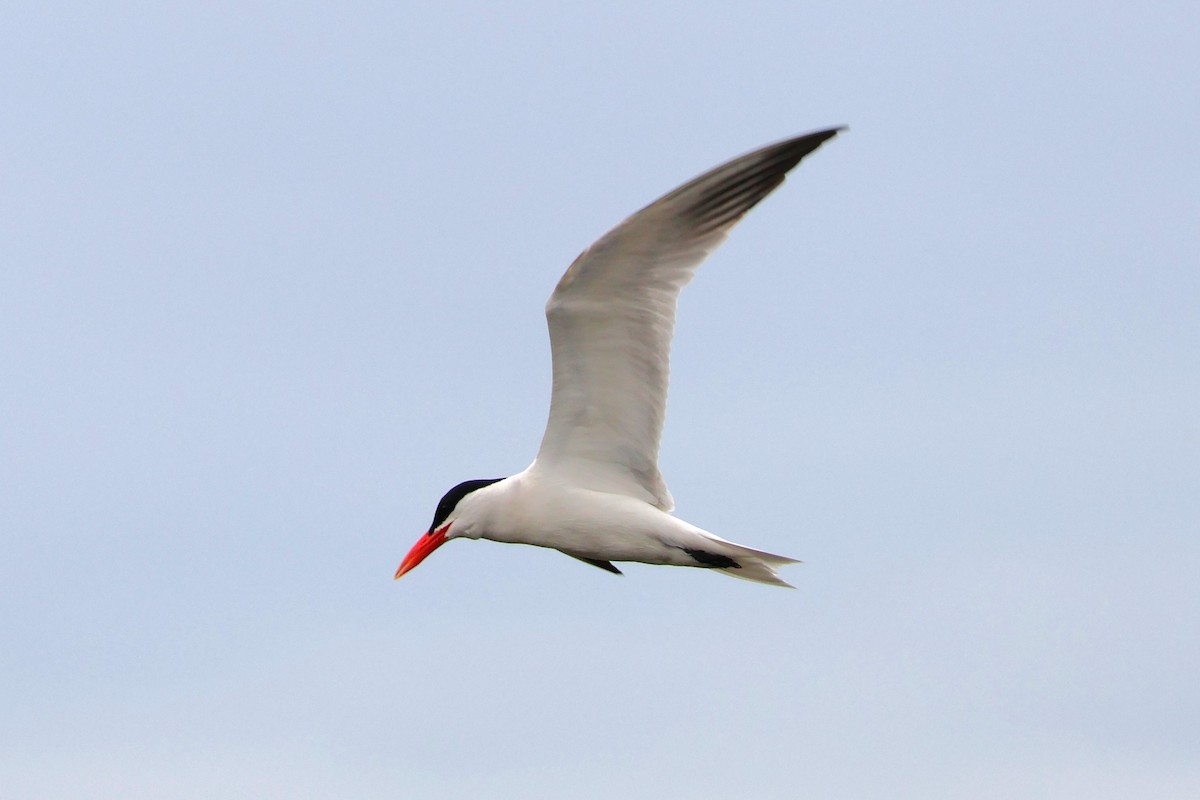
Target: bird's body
column 594, row 491
column 598, row 526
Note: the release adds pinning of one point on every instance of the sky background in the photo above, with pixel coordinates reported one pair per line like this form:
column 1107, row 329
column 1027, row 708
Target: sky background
column 271, row 281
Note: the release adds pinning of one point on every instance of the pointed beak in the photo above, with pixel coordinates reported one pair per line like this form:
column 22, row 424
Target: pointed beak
column 424, row 546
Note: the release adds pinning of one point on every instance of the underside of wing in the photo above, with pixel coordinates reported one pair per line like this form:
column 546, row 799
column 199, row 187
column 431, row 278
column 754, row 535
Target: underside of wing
column 612, row 316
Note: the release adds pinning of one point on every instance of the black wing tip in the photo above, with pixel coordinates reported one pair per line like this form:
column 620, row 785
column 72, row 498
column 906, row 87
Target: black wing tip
column 607, row 566
column 817, row 136
column 737, row 186
column 791, row 151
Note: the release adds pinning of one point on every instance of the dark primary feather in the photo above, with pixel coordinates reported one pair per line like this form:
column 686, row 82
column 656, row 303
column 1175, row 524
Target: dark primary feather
column 739, row 185
column 595, row 562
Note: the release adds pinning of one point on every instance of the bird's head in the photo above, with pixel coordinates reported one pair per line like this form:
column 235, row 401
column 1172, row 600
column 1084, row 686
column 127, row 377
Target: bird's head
column 449, row 512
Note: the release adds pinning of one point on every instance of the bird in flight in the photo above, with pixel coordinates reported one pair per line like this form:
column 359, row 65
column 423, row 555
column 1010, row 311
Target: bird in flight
column 594, row 491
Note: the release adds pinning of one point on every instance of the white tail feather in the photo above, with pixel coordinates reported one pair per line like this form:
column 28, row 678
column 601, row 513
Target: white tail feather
column 754, row 565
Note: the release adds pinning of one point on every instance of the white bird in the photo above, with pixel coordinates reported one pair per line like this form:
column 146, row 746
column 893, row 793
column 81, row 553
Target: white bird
column 594, row 491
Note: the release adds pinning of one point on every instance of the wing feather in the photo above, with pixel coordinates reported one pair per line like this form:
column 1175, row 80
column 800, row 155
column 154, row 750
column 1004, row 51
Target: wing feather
column 612, row 316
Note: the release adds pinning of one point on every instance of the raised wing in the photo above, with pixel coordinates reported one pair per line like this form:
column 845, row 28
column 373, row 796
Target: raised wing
column 612, row 315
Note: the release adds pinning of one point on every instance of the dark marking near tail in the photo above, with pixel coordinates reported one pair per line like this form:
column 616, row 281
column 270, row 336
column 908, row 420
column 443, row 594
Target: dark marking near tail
column 707, row 559
column 595, row 562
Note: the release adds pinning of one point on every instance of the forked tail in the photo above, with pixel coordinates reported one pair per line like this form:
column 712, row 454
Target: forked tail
column 746, row 562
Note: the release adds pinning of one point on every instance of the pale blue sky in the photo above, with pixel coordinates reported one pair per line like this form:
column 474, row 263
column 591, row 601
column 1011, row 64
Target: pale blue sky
column 272, row 281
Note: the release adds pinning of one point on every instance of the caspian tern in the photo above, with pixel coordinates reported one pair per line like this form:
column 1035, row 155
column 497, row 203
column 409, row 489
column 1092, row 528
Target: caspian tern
column 594, row 491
